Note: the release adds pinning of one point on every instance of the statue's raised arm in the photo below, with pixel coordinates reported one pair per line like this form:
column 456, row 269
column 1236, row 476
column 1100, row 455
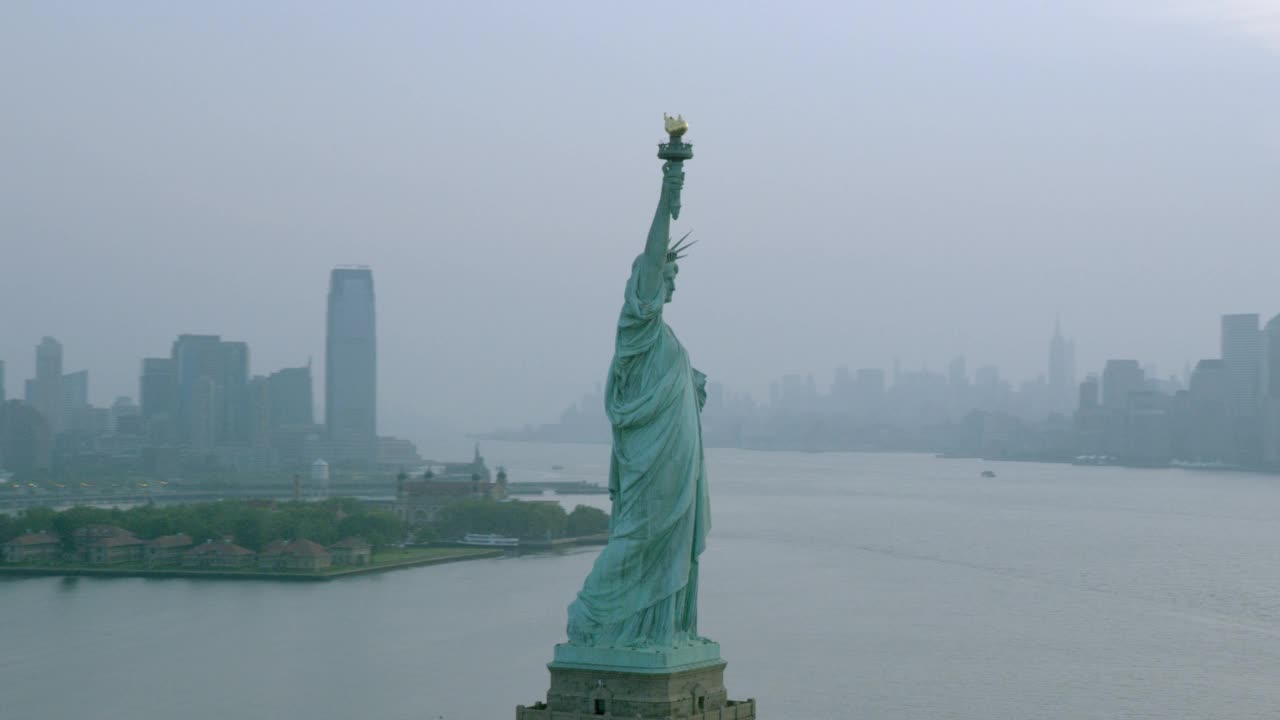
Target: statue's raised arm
column 657, row 246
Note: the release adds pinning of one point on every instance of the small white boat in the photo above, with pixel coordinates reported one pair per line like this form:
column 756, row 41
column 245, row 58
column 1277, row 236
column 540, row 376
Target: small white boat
column 481, row 540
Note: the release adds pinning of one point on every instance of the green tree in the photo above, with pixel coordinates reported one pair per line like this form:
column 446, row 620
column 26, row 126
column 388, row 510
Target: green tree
column 585, row 520
column 378, row 528
column 252, row 528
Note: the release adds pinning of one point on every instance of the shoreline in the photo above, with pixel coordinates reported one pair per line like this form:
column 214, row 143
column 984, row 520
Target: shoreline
column 239, row 574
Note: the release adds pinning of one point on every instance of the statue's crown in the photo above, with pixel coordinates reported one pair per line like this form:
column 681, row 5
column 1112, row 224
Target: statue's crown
column 679, row 249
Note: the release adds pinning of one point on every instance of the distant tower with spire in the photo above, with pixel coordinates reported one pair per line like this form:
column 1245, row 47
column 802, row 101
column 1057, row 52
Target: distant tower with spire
column 1062, row 369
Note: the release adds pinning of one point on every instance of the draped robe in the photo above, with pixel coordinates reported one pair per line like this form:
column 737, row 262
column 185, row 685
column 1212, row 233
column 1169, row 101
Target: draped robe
column 643, row 589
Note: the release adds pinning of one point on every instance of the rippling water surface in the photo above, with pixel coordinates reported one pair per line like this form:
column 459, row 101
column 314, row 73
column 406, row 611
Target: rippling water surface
column 874, row 587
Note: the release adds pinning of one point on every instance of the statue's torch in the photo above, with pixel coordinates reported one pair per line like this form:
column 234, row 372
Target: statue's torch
column 675, row 152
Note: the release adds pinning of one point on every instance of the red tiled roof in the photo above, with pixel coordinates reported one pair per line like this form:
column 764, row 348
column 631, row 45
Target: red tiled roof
column 304, row 548
column 169, row 541
column 33, row 539
column 218, row 548
column 354, row 543
column 273, row 548
column 117, row 541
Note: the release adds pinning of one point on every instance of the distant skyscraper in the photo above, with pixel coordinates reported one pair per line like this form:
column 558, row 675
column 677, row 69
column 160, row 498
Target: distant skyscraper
column 1211, row 382
column 259, row 412
column 291, row 397
column 1270, row 386
column 1088, row 399
column 1270, row 391
column 1062, row 370
column 1211, row 393
column 75, row 391
column 1119, row 378
column 1242, row 354
column 196, row 357
column 350, row 368
column 233, row 386
column 158, row 388
column 125, row 417
column 3, row 397
column 45, row 391
column 203, row 406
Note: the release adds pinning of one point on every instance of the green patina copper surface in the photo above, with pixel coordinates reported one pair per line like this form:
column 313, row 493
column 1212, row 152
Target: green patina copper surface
column 639, row 660
column 642, row 594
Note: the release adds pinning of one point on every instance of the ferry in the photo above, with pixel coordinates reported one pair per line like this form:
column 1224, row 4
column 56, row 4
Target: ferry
column 479, row 540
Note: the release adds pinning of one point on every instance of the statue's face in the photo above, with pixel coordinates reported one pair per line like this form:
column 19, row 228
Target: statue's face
column 669, row 273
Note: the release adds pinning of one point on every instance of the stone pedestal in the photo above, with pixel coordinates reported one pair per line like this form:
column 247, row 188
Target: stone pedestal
column 672, row 684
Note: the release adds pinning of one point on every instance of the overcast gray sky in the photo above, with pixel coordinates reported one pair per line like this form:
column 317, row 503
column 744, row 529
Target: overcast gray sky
column 872, row 179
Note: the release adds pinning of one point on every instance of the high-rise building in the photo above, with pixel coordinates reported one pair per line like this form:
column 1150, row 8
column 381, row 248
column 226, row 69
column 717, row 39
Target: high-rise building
column 1270, row 380
column 3, row 397
column 75, row 391
column 350, row 368
column 195, row 357
column 44, row 392
column 233, row 388
column 1119, row 379
column 1270, row 391
column 1210, row 395
column 78, row 416
column 1242, row 354
column 291, row 398
column 1088, row 399
column 259, row 393
column 25, row 440
column 221, row 404
column 158, row 388
column 126, row 417
column 204, row 417
column 1091, row 420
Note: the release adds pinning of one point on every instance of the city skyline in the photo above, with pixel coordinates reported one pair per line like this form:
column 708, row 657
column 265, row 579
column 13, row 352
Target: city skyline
column 949, row 195
column 1060, row 362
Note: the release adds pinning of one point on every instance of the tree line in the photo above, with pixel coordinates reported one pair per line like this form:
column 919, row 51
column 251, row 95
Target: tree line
column 251, row 524
column 254, row 524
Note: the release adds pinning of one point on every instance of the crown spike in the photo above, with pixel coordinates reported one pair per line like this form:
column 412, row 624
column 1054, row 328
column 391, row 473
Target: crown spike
column 678, row 249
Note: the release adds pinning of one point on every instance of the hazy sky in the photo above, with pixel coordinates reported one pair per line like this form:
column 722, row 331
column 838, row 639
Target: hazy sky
column 872, row 179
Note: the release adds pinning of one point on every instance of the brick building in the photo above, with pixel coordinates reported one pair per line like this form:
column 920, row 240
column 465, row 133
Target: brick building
column 32, row 547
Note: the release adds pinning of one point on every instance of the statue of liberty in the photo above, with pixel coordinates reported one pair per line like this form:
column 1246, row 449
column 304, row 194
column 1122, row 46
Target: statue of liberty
column 642, row 593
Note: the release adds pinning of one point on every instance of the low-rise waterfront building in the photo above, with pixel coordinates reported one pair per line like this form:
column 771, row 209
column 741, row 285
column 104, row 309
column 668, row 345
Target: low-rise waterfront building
column 31, row 547
column 352, row 551
column 299, row 554
column 106, row 545
column 168, row 549
column 116, row 549
column 211, row 554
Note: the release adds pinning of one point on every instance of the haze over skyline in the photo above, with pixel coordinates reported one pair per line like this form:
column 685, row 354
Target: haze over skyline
column 917, row 181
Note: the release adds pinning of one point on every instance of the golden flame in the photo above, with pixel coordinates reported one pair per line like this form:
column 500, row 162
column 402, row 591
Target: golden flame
column 675, row 126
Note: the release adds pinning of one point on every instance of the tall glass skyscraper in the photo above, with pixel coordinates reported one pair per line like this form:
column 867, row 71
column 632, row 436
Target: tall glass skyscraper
column 351, row 368
column 1242, row 353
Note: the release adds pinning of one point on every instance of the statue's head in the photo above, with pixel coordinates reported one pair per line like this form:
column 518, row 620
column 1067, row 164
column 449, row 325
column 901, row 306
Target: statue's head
column 669, row 272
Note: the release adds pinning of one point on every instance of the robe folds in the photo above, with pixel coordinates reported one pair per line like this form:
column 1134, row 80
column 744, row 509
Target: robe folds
column 643, row 589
